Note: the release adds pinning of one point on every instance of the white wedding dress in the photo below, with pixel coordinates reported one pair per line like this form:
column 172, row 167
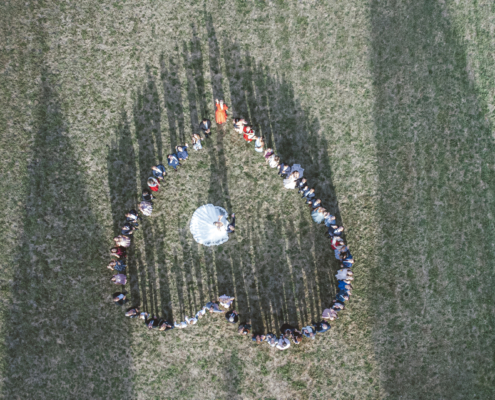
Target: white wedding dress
column 202, row 225
column 290, row 182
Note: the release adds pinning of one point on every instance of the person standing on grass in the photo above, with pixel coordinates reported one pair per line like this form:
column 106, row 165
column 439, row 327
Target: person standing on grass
column 232, row 316
column 308, row 193
column 329, row 220
column 268, row 153
column 213, row 307
column 205, row 127
column 119, row 252
column 231, row 227
column 329, row 313
column 146, row 207
column 271, row 339
column 181, row 152
column 322, row 326
column 221, row 112
column 248, row 133
column 128, row 229
column 119, row 299
column 318, row 215
column 301, row 184
column 273, row 161
column 196, row 140
column 153, row 184
column 164, row 325
column 117, row 265
column 159, row 171
column 132, row 312
column 226, row 301
column 259, row 144
column 314, row 203
column 335, row 230
column 173, row 161
column 244, row 328
column 283, row 343
column 309, row 331
column 258, row 338
column 121, row 240
column 239, row 124
column 284, row 170
column 119, row 279
column 132, row 217
column 147, row 196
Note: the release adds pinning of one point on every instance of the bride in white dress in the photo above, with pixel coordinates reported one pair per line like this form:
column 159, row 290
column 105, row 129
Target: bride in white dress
column 290, row 182
column 209, row 225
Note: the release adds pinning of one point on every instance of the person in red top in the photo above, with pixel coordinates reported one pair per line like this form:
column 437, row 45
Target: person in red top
column 248, row 133
column 153, row 184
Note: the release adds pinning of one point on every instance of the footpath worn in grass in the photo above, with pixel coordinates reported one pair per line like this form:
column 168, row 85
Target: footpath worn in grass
column 387, row 105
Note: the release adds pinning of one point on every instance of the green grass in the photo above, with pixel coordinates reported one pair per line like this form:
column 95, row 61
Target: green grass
column 387, row 105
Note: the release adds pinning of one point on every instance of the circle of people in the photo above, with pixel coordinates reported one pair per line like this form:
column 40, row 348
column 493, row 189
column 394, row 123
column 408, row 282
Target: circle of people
column 223, row 305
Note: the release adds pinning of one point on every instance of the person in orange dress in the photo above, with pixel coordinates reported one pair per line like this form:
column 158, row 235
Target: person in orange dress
column 221, row 113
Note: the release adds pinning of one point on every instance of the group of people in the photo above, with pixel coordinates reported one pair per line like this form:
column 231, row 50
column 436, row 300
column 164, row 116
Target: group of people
column 292, row 179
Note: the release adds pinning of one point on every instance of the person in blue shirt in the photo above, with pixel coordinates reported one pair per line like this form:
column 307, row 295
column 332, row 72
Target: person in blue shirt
column 301, row 184
column 341, row 297
column 308, row 193
column 335, row 230
column 158, row 171
column 258, row 338
column 213, row 307
column 128, row 229
column 322, row 326
column 117, row 265
column 309, row 331
column 231, row 227
column 181, row 152
column 329, row 220
column 284, row 170
column 173, row 161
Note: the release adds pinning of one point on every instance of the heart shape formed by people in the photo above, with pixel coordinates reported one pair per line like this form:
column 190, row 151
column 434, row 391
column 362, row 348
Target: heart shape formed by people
column 210, row 226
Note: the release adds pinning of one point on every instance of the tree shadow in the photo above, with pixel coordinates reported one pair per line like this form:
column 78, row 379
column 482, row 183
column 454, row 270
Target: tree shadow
column 60, row 303
column 436, row 188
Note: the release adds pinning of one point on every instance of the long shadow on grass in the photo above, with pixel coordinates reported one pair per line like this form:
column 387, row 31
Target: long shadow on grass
column 434, row 276
column 150, row 252
column 275, row 281
column 61, row 315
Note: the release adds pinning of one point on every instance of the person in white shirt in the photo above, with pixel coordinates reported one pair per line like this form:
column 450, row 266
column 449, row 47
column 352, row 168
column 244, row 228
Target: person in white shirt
column 226, row 301
column 191, row 321
column 180, row 325
column 283, row 343
column 201, row 312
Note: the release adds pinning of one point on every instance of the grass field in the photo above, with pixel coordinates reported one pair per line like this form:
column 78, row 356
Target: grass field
column 388, row 105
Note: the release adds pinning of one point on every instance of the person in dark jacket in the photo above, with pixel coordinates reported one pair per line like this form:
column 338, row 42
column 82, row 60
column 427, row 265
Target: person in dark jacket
column 132, row 217
column 146, row 195
column 181, row 152
column 205, row 127
column 164, row 325
column 159, row 171
column 284, row 170
column 322, row 326
column 232, row 316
